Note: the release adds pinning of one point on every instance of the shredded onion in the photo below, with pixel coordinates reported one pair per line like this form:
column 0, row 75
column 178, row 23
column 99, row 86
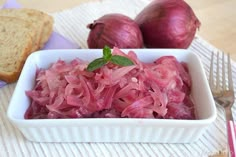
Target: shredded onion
column 167, row 24
column 114, row 30
column 144, row 90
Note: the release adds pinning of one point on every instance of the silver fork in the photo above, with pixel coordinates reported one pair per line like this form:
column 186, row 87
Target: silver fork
column 223, row 94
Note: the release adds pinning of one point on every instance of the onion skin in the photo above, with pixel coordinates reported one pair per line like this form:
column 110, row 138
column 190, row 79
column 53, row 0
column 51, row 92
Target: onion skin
column 168, row 24
column 114, row 30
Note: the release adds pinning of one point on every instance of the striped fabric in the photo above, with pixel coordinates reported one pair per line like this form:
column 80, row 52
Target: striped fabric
column 72, row 24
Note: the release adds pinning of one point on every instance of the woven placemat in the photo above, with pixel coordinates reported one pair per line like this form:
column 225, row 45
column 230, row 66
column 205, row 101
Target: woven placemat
column 72, row 25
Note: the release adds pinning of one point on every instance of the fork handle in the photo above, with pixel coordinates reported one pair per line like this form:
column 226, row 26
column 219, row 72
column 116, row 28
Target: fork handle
column 231, row 137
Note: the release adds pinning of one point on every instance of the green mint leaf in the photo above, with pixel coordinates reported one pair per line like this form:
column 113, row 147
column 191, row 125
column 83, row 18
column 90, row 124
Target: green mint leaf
column 107, row 53
column 121, row 60
column 96, row 64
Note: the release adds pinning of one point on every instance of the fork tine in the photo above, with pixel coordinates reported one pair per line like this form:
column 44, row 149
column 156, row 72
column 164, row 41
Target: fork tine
column 223, row 72
column 230, row 78
column 211, row 80
column 218, row 72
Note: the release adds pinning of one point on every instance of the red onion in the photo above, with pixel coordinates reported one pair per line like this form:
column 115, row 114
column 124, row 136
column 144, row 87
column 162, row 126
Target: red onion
column 167, row 24
column 114, row 30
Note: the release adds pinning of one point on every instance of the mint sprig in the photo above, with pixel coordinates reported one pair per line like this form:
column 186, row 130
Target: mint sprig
column 121, row 60
column 108, row 57
column 107, row 53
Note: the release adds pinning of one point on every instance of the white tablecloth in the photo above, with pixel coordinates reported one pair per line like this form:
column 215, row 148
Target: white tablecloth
column 72, row 24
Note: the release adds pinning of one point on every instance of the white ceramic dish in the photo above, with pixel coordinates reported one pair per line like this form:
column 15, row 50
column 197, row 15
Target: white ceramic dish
column 112, row 130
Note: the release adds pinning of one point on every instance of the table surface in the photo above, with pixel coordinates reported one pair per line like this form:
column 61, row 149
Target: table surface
column 217, row 18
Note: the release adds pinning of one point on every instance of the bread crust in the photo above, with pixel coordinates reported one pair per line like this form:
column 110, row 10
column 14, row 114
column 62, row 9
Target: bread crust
column 47, row 31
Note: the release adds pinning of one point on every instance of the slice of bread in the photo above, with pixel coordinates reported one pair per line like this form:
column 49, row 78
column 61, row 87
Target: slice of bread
column 15, row 45
column 22, row 31
column 42, row 23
